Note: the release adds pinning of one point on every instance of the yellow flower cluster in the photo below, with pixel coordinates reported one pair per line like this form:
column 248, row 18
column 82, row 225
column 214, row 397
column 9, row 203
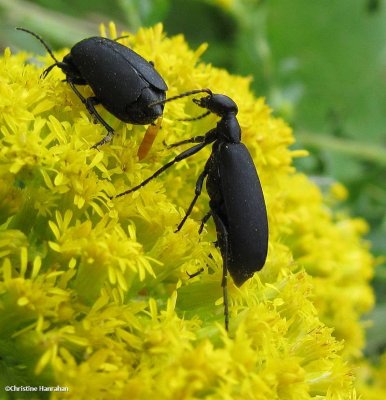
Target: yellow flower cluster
column 94, row 293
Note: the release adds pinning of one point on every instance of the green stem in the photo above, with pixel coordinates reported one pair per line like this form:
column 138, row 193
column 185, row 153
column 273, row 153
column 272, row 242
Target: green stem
column 364, row 151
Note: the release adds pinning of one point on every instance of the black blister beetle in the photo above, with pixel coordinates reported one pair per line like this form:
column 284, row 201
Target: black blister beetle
column 236, row 198
column 123, row 82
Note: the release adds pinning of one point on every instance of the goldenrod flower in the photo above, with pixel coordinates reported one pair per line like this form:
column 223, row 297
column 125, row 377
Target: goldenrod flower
column 94, row 294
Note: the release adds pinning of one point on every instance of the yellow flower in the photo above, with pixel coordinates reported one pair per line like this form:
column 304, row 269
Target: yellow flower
column 94, row 293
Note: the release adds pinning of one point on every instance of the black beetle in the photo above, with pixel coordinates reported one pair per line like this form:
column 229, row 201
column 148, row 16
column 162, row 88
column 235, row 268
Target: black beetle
column 236, row 198
column 122, row 81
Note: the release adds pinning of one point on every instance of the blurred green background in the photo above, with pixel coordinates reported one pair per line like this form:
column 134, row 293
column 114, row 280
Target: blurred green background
column 320, row 64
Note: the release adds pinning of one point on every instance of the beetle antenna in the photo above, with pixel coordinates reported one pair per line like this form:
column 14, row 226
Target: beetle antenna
column 47, row 70
column 121, row 37
column 195, row 118
column 190, row 93
column 42, row 42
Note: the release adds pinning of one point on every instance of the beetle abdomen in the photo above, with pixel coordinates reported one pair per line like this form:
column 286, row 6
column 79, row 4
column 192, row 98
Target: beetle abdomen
column 246, row 215
column 118, row 77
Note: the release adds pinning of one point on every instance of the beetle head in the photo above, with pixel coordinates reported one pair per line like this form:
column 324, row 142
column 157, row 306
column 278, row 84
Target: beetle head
column 71, row 72
column 218, row 104
column 66, row 65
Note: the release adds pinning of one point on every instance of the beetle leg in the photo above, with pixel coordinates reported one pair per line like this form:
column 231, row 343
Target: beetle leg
column 223, row 239
column 197, row 192
column 90, row 104
column 195, row 273
column 224, row 284
column 185, row 154
column 204, row 221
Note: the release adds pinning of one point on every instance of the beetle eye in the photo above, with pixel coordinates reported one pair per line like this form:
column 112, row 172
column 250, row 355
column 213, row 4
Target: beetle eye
column 204, row 102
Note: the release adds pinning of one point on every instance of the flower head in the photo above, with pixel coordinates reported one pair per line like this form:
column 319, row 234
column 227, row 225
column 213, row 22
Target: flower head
column 94, row 293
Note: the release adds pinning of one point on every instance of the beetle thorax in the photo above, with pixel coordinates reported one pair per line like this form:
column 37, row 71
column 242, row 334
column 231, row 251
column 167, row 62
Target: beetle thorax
column 229, row 129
